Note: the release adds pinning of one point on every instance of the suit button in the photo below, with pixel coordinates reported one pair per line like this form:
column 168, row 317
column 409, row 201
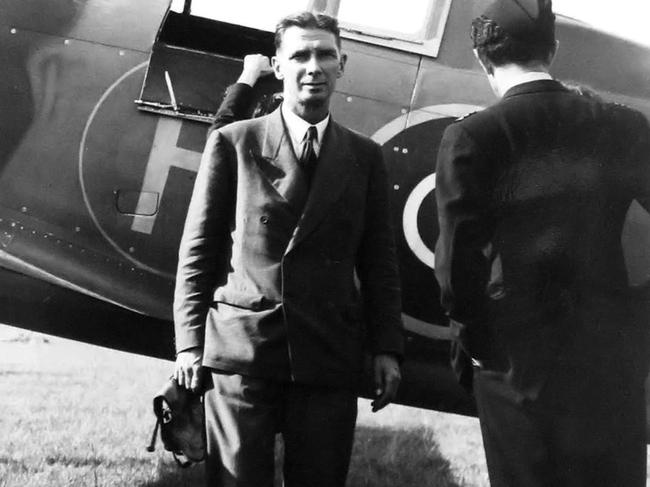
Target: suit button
column 264, row 219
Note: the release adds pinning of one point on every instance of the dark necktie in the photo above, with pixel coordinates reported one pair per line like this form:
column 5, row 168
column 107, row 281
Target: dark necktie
column 308, row 155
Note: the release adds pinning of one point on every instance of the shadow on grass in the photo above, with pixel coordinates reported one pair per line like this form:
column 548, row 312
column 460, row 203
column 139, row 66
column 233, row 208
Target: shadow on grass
column 382, row 457
column 170, row 475
column 386, row 457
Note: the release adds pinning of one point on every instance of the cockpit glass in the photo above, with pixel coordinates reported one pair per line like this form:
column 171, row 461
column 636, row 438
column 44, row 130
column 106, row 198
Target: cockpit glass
column 258, row 14
column 629, row 19
column 414, row 25
column 387, row 15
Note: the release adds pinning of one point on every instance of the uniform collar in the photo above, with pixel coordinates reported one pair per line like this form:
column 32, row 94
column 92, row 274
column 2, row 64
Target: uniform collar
column 522, row 78
column 535, row 87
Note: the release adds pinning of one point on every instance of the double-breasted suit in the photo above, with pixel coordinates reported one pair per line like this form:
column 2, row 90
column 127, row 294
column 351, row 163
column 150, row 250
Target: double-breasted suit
column 532, row 196
column 268, row 259
column 286, row 277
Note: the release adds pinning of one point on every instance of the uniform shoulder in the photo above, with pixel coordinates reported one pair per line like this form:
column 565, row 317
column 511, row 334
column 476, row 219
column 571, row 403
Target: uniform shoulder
column 466, row 115
column 475, row 118
column 624, row 118
column 621, row 110
column 478, row 124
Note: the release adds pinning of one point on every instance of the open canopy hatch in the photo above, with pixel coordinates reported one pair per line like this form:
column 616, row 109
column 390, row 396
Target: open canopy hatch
column 201, row 43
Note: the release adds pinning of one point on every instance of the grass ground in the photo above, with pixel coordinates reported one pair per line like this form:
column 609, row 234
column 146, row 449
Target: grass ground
column 76, row 415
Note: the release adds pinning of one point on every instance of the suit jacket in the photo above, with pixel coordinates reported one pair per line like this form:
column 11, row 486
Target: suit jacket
column 532, row 194
column 241, row 101
column 237, row 104
column 266, row 275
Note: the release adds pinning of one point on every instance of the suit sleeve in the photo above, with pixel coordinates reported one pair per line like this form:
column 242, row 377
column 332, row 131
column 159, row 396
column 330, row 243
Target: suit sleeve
column 377, row 266
column 461, row 263
column 204, row 249
column 237, row 104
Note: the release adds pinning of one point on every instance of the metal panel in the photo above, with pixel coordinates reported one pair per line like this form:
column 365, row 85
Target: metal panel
column 38, row 305
column 456, row 47
column 361, row 114
column 379, row 74
column 602, row 61
column 438, row 84
column 63, row 85
column 91, row 20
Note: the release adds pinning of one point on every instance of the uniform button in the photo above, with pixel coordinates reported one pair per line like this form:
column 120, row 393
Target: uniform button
column 264, row 219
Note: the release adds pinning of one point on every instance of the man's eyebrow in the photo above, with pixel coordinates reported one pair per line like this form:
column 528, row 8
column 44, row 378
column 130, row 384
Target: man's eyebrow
column 299, row 52
column 326, row 50
column 319, row 50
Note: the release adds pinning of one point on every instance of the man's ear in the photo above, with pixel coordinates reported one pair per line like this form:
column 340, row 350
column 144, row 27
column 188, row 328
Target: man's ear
column 488, row 69
column 553, row 53
column 342, row 61
column 275, row 64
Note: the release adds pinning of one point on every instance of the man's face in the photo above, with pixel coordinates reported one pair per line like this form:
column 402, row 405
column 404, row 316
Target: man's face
column 308, row 62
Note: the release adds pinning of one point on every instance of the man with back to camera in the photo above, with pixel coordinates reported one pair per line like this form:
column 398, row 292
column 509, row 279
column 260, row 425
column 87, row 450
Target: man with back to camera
column 532, row 194
column 288, row 205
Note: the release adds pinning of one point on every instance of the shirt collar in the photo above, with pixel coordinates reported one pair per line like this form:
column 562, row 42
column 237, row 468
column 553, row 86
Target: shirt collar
column 297, row 128
column 524, row 78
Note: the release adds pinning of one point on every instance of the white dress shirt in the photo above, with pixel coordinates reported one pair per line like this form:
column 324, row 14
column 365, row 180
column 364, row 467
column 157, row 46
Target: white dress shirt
column 297, row 129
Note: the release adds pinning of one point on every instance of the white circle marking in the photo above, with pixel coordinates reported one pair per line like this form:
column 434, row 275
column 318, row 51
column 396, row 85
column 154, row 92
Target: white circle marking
column 428, row 184
column 410, row 220
column 84, row 192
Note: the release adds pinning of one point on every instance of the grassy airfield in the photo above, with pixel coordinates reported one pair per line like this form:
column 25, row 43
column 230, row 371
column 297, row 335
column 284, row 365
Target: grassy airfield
column 77, row 415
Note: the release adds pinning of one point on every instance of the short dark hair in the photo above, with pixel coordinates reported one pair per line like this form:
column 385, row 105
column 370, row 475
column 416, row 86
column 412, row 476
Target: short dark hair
column 307, row 20
column 495, row 47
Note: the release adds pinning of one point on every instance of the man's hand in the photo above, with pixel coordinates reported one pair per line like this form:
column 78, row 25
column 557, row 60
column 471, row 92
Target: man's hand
column 255, row 66
column 187, row 371
column 387, row 379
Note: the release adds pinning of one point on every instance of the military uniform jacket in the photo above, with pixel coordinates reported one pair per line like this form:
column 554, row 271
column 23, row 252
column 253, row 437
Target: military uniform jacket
column 532, row 195
column 266, row 275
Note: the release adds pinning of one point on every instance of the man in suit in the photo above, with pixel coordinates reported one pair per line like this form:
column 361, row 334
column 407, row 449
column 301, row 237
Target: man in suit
column 532, row 194
column 286, row 209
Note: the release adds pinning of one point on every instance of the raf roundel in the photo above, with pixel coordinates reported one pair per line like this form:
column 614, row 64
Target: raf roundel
column 410, row 146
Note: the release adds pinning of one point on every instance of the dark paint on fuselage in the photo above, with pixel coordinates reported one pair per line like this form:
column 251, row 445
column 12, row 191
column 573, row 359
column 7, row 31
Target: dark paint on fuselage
column 93, row 192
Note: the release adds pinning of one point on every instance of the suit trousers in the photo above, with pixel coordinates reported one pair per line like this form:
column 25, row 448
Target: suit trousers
column 531, row 444
column 243, row 416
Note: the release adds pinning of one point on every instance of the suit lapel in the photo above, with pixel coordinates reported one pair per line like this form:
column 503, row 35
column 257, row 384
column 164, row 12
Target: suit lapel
column 278, row 163
column 330, row 179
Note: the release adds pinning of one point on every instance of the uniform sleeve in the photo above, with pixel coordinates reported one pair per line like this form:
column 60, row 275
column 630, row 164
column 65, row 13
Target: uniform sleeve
column 465, row 225
column 640, row 160
column 377, row 266
column 203, row 254
column 237, row 104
